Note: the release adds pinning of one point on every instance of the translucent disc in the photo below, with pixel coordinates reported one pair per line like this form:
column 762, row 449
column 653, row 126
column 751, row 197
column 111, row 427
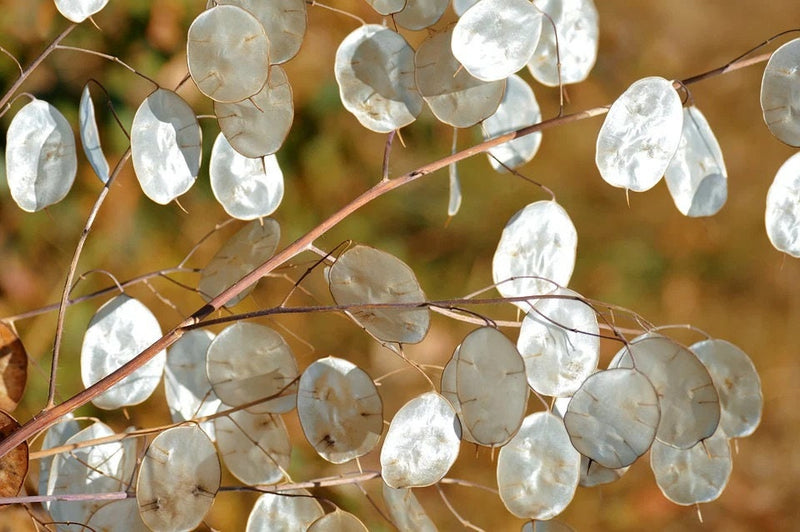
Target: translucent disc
column 491, row 386
column 120, row 330
column 228, row 53
column 254, row 447
column 55, row 436
column 495, row 38
column 689, row 402
column 246, row 188
column 737, row 383
column 782, row 215
column 284, row 513
column 79, row 10
column 374, row 68
column 387, row 7
column 178, row 479
column 593, row 474
column 166, row 146
column 538, row 245
column 691, row 476
column 337, row 521
column 41, row 162
column 250, row 247
column 538, row 470
column 407, row 513
column 517, row 109
column 247, row 362
column 640, row 135
column 422, row 442
column 340, row 410
column 448, row 391
column 780, row 96
column 117, row 515
column 454, row 96
column 559, row 343
column 258, row 125
column 577, row 28
column 284, row 22
column 460, row 6
column 14, row 465
column 90, row 136
column 550, row 525
column 420, row 14
column 613, row 417
column 696, row 176
column 363, row 275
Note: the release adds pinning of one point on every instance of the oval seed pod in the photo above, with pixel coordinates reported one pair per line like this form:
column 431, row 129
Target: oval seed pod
column 178, row 479
column 90, row 136
column 782, row 215
column 460, row 6
column 387, row 7
column 337, row 521
column 593, row 474
column 79, row 10
column 640, row 135
column 276, row 512
column 284, row 23
column 420, row 14
column 364, row 275
column 407, row 513
column 228, row 53
column 55, row 436
column 422, row 442
column 779, row 102
column 166, row 146
column 117, row 515
column 255, row 447
column 41, row 162
column 340, row 410
column 447, row 388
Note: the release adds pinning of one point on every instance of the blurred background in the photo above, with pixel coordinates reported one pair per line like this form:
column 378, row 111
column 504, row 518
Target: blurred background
column 719, row 274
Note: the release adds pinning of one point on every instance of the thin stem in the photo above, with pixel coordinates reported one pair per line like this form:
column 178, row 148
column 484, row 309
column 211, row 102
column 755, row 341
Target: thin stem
column 30, row 499
column 110, row 58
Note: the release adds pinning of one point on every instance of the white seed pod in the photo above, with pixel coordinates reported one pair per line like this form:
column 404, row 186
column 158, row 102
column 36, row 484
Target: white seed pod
column 117, row 515
column 538, row 470
column 782, row 215
column 248, row 361
column 448, row 391
column 178, row 479
column 120, row 329
column 593, row 474
column 420, row 14
column 695, row 475
column 780, row 102
column 560, row 344
column 737, row 383
column 365, row 275
column 517, row 109
column 374, row 68
column 251, row 246
column 495, row 38
column 255, row 447
column 41, row 162
column 407, row 513
column 55, row 436
column 90, row 136
column 455, row 97
column 422, row 442
column 79, row 10
column 460, row 6
column 491, row 386
column 613, row 417
column 696, row 177
column 287, row 511
column 257, row 126
column 188, row 392
column 640, row 135
column 166, row 146
column 550, row 525
column 337, row 521
column 228, row 53
column 577, row 27
column 387, row 7
column 537, row 249
column 284, row 23
column 246, row 188
column 689, row 403
column 340, row 410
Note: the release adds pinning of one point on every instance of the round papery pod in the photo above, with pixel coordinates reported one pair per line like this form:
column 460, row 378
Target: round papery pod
column 55, row 436
column 117, row 515
column 387, row 7
column 90, row 136
column 228, row 53
column 613, row 417
column 422, row 442
column 695, row 475
column 737, row 383
column 448, row 391
column 550, row 525
column 178, row 479
column 364, row 275
column 779, row 102
column 495, row 38
column 247, row 362
column 79, row 10
column 255, row 447
column 559, row 343
column 166, row 146
column 491, row 386
column 284, row 23
column 460, row 6
column 538, row 470
column 337, row 521
column 640, row 135
column 689, row 403
column 340, row 410
column 41, row 162
column 287, row 511
column 420, row 14
column 537, row 250
column 374, row 69
column 782, row 215
column 593, row 474
column 121, row 329
column 407, row 513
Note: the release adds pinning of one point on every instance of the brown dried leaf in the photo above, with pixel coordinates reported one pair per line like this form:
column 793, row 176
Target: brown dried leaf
column 13, row 368
column 14, row 465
